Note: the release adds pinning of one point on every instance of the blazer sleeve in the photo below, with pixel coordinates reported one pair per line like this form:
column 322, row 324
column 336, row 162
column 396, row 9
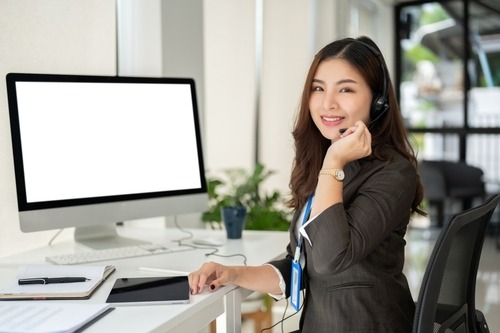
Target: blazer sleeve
column 377, row 202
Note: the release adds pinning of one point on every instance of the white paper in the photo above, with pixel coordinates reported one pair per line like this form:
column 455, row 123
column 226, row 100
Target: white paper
column 35, row 317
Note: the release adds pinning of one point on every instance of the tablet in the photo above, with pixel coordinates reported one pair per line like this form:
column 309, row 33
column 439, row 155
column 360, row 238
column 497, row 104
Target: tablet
column 149, row 290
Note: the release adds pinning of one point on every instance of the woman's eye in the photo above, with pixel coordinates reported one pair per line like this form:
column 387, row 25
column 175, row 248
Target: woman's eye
column 317, row 88
column 345, row 90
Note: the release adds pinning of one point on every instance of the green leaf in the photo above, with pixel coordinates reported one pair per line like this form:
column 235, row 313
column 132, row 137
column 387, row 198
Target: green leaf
column 266, row 211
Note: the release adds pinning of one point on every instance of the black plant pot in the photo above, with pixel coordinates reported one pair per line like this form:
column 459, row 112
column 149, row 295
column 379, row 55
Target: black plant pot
column 234, row 220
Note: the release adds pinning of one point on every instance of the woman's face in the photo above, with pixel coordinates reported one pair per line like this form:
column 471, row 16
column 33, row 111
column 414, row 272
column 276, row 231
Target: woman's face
column 339, row 97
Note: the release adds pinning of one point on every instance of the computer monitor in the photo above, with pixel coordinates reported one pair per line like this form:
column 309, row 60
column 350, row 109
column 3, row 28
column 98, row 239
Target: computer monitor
column 91, row 151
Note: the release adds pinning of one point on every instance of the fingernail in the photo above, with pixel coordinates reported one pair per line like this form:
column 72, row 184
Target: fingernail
column 212, row 287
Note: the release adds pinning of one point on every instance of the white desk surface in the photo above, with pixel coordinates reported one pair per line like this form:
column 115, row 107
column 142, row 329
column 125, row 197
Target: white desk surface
column 258, row 247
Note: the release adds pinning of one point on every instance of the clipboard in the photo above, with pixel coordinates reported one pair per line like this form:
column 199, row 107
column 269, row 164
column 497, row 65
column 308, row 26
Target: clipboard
column 96, row 275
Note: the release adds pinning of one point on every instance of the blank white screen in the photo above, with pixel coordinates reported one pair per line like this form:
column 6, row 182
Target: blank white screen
column 84, row 140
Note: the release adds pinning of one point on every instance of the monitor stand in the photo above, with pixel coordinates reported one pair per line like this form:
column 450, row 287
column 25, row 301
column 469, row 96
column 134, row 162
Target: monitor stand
column 104, row 236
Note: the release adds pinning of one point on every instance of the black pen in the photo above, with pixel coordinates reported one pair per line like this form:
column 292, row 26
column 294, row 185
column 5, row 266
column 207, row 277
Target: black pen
column 46, row 280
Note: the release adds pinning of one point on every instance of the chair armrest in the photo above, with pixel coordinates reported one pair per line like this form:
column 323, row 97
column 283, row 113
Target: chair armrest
column 481, row 324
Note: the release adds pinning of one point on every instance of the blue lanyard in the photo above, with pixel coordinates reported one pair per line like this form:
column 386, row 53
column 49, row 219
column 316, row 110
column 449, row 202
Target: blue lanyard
column 305, row 217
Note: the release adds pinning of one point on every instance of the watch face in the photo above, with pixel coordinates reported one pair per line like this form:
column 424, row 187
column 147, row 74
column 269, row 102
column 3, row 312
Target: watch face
column 340, row 175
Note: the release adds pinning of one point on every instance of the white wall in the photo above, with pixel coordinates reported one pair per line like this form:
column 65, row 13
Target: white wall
column 291, row 39
column 139, row 49
column 229, row 68
column 49, row 36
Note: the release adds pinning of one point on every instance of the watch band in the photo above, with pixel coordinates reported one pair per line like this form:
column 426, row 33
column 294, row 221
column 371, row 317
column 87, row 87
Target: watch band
column 338, row 174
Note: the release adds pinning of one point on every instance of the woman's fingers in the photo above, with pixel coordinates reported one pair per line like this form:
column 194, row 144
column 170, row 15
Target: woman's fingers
column 357, row 145
column 198, row 279
column 212, row 274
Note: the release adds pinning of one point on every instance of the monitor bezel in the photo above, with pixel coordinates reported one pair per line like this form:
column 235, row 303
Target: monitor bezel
column 29, row 211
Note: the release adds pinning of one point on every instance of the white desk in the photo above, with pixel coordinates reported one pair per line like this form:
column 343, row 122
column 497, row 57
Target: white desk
column 258, row 246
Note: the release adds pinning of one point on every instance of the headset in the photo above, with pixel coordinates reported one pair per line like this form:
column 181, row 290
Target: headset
column 380, row 102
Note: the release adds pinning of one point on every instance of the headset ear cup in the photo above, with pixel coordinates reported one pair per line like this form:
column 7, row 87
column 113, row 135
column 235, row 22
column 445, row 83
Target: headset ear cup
column 379, row 107
column 385, row 108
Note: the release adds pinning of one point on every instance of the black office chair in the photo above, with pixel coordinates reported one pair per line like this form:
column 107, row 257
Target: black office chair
column 446, row 302
column 447, row 181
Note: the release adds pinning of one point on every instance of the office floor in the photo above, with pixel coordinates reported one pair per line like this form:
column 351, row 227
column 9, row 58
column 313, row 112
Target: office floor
column 419, row 247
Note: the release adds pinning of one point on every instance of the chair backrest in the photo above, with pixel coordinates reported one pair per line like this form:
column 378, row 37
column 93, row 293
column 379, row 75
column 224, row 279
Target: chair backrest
column 446, row 299
column 451, row 179
column 433, row 180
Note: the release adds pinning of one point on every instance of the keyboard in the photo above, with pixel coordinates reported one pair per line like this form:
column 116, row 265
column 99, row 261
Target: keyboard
column 113, row 254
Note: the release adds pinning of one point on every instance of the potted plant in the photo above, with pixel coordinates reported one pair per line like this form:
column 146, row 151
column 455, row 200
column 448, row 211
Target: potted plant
column 239, row 188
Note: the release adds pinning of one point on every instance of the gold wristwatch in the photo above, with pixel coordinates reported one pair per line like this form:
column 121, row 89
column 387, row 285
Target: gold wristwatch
column 338, row 174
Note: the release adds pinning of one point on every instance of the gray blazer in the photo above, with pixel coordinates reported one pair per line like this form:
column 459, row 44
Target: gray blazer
column 353, row 273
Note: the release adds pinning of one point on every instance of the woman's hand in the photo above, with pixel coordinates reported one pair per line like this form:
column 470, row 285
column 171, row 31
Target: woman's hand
column 212, row 274
column 354, row 144
column 258, row 278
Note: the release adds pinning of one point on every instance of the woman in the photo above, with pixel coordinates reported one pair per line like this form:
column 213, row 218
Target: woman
column 354, row 186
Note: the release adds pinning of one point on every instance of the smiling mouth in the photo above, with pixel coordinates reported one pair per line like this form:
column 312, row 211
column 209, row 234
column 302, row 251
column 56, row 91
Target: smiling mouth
column 331, row 119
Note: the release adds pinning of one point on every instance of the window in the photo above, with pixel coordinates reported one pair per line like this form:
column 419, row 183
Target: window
column 448, row 80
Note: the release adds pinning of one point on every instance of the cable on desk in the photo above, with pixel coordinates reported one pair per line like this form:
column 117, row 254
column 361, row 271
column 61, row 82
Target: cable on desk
column 179, row 241
column 55, row 236
column 213, row 253
column 283, row 318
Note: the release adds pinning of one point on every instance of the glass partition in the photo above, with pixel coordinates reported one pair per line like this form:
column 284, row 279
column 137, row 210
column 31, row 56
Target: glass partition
column 448, row 81
column 431, row 88
column 484, row 67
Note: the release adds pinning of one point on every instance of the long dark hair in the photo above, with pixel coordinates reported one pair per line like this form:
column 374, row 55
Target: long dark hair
column 388, row 130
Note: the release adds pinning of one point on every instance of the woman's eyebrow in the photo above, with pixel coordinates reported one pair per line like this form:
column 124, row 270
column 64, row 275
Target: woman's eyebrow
column 346, row 81
column 338, row 82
